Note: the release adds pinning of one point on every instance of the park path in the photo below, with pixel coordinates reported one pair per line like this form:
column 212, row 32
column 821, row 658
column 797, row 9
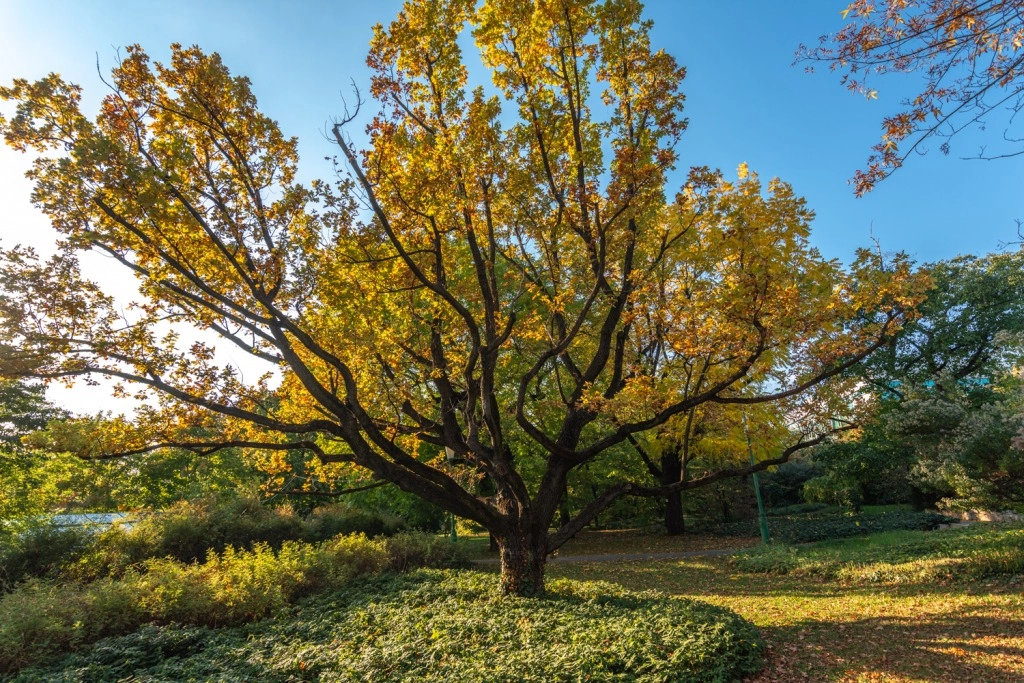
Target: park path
column 621, row 557
column 672, row 555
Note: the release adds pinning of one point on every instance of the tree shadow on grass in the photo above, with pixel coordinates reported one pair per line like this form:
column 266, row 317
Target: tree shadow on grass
column 826, row 631
column 715, row 576
column 696, row 577
column 953, row 647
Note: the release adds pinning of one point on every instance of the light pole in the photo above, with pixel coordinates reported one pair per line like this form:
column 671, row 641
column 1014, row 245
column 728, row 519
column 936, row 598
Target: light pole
column 762, row 518
column 452, row 459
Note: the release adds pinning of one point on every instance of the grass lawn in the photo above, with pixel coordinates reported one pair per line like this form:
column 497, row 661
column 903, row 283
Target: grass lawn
column 825, row 629
column 621, row 541
column 909, row 606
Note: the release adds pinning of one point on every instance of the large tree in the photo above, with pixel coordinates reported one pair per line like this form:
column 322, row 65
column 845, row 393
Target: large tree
column 968, row 53
column 496, row 293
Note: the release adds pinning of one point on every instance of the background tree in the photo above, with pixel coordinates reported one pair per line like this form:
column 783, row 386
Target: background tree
column 960, row 445
column 969, row 53
column 23, row 409
column 970, row 330
column 712, row 438
column 948, row 397
column 488, row 295
column 39, row 476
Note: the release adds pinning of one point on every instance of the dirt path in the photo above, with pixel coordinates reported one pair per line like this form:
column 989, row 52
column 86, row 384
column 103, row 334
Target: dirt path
column 625, row 557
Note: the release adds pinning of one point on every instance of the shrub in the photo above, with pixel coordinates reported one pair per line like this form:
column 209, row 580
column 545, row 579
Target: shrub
column 351, row 556
column 187, row 530
column 333, row 520
column 40, row 618
column 899, row 557
column 418, row 549
column 443, row 626
column 835, row 488
column 38, row 549
column 812, row 527
column 782, row 486
column 797, row 509
column 113, row 552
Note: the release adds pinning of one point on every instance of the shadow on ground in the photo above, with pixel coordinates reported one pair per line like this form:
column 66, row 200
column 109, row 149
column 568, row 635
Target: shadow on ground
column 952, row 648
column 826, row 631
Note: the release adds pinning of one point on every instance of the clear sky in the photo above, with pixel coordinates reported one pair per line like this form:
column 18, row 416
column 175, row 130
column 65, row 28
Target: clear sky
column 745, row 102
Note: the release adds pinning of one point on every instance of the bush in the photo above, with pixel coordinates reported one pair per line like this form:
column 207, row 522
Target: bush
column 37, row 549
column 418, row 549
column 797, row 509
column 347, row 557
column 333, row 520
column 835, row 489
column 783, row 485
column 41, row 618
column 812, row 527
column 899, row 557
column 187, row 530
column 113, row 552
column 443, row 626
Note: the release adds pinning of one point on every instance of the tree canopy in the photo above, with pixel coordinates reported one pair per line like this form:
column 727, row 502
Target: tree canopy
column 970, row 329
column 949, row 396
column 498, row 289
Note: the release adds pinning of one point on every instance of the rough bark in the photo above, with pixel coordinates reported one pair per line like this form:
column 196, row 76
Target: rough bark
column 671, row 472
column 674, row 524
column 523, row 557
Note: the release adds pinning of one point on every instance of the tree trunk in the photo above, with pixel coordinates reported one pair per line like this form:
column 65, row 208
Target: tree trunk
column 674, row 524
column 671, row 472
column 724, row 503
column 522, row 564
column 564, row 516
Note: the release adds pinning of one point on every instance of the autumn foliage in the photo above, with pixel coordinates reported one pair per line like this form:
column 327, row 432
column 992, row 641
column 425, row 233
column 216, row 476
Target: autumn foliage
column 969, row 53
column 501, row 288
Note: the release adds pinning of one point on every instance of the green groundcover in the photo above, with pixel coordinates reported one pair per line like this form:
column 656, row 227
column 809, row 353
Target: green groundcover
column 434, row 625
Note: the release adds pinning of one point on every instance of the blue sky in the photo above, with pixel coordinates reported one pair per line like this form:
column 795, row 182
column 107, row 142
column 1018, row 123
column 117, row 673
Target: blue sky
column 745, row 102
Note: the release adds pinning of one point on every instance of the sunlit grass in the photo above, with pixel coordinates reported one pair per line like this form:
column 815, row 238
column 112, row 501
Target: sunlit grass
column 618, row 542
column 974, row 552
column 838, row 629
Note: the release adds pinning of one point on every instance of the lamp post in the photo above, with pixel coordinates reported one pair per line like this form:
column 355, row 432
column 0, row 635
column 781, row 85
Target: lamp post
column 452, row 459
column 762, row 518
